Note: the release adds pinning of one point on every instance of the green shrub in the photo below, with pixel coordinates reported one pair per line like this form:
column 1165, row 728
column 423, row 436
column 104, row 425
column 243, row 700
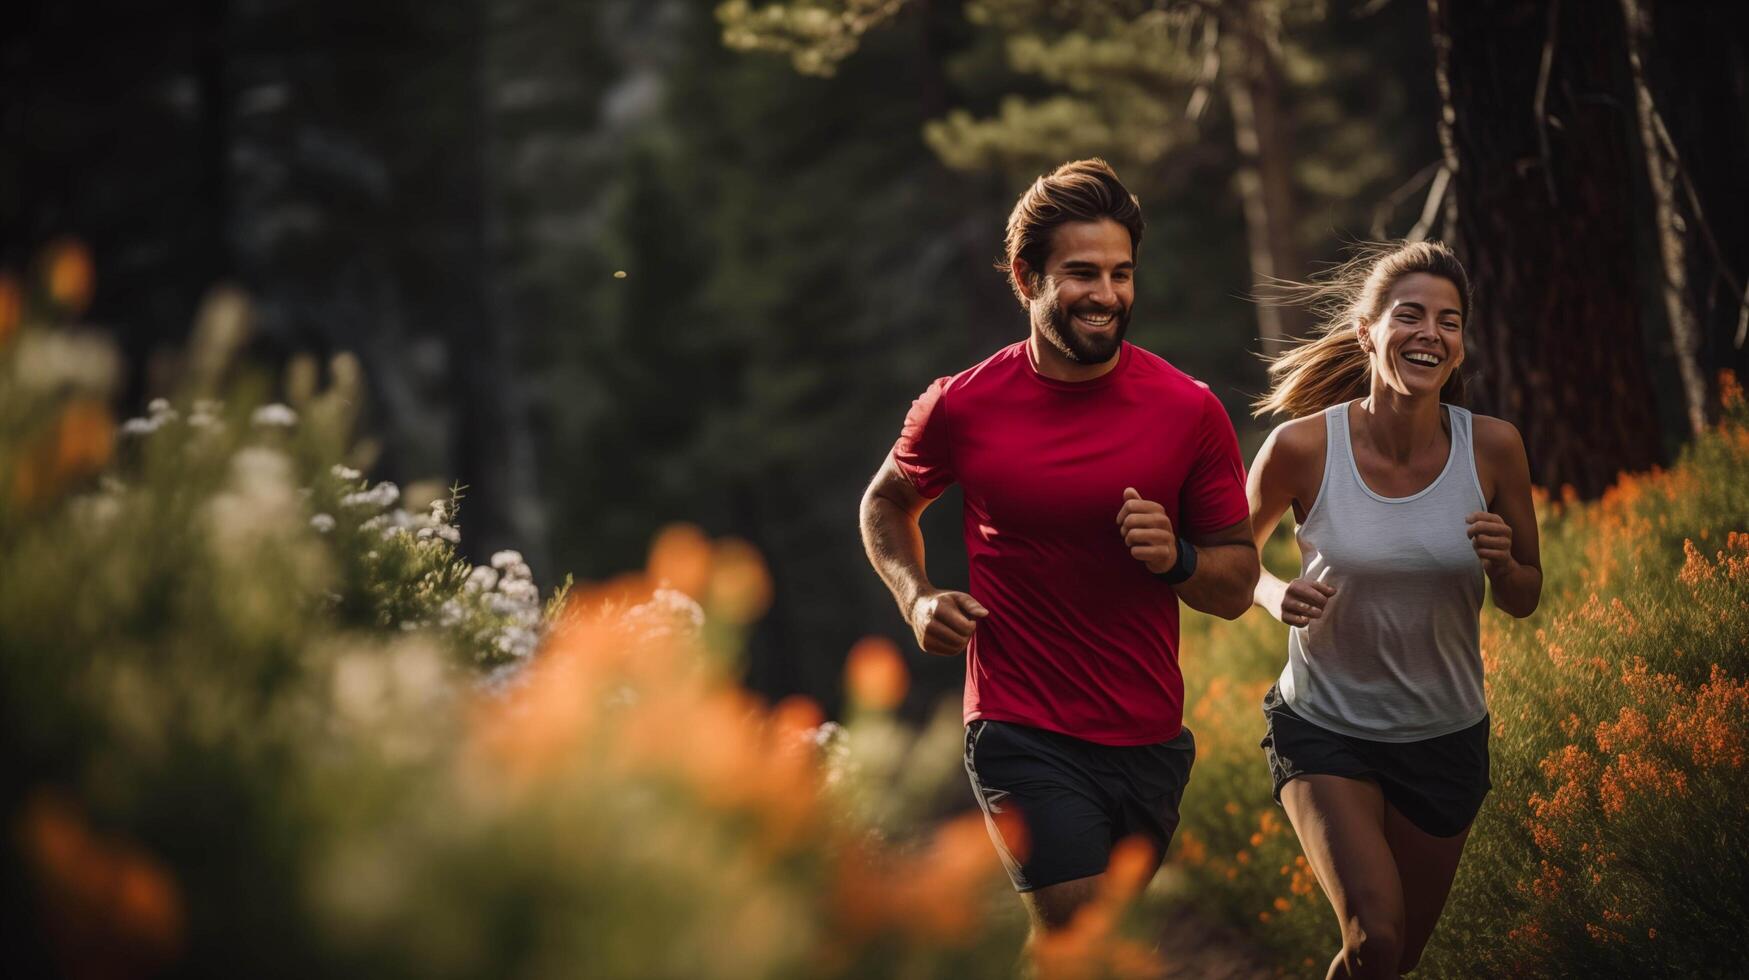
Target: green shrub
column 260, row 719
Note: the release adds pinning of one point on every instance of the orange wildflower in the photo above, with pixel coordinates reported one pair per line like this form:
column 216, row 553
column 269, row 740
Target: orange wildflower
column 1730, row 392
column 740, row 585
column 114, row 909
column 1633, row 773
column 1628, row 729
column 681, row 557
column 70, row 275
column 1695, row 568
column 875, row 674
column 84, row 438
column 1712, row 732
column 11, row 307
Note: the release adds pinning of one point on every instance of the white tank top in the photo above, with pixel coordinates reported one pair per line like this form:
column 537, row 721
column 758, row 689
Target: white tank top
column 1396, row 657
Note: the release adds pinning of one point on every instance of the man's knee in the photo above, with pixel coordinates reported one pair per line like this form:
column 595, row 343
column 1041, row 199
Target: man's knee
column 1053, row 907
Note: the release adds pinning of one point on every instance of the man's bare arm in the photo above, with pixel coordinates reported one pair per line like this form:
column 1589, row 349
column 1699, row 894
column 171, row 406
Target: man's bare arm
column 942, row 620
column 1226, row 572
column 1226, row 560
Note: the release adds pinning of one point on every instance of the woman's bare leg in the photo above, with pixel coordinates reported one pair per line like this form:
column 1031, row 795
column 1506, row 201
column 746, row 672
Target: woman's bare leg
column 1426, row 866
column 1341, row 826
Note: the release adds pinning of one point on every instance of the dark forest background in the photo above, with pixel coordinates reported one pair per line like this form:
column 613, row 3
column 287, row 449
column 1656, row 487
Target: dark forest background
column 805, row 200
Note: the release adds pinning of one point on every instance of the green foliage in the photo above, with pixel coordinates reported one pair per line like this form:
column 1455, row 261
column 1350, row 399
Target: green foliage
column 1613, row 837
column 238, row 732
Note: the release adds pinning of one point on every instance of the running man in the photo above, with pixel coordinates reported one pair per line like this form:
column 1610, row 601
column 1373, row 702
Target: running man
column 1083, row 459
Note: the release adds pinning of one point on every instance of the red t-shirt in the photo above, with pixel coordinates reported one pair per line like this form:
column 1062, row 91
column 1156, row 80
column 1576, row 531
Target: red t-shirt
column 1081, row 638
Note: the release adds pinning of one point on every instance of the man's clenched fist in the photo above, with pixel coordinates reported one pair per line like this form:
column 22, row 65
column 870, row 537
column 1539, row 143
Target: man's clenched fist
column 944, row 621
column 1148, row 532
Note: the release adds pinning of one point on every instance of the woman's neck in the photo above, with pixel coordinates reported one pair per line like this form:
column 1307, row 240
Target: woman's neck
column 1397, row 425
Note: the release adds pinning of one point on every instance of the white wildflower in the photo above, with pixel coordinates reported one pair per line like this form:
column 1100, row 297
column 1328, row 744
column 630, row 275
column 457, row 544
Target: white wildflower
column 669, row 612
column 449, row 532
column 519, row 590
column 450, row 613
column 323, row 523
column 506, row 558
column 345, row 474
column 160, row 406
column 381, row 497
column 140, row 427
column 482, row 579
column 518, row 641
column 275, row 415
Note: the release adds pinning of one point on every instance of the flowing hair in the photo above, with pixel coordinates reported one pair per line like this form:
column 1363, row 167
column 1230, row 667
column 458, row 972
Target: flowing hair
column 1330, row 367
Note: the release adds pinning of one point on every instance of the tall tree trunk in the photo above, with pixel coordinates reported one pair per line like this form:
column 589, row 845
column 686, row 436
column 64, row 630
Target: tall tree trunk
column 1253, row 77
column 1662, row 172
column 1704, row 104
column 1535, row 135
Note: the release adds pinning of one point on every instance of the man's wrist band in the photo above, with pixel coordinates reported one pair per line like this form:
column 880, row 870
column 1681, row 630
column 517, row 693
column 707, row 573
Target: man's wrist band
column 1184, row 568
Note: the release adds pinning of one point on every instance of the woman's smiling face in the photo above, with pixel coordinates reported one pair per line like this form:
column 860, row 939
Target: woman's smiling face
column 1417, row 340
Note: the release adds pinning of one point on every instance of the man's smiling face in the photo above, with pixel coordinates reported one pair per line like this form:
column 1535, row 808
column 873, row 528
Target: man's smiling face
column 1081, row 302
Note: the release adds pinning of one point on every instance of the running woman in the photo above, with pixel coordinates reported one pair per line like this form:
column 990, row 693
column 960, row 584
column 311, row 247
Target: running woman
column 1102, row 485
column 1377, row 730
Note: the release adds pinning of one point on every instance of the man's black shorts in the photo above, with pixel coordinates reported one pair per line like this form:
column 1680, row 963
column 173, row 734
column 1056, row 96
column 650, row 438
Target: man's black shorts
column 1076, row 799
column 1438, row 783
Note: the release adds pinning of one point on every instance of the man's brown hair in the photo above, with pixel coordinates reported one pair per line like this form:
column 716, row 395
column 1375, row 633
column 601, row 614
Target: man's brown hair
column 1083, row 190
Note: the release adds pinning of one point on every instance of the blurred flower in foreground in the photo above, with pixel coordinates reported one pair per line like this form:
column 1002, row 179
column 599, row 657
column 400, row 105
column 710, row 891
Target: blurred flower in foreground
column 11, row 307
column 875, row 674
column 680, row 558
column 112, row 909
column 70, row 275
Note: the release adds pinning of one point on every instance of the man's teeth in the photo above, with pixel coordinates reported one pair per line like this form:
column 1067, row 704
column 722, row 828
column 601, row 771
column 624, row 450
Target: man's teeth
column 1095, row 319
column 1421, row 357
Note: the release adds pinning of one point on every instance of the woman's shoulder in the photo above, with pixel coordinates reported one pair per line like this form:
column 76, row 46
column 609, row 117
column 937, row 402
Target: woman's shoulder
column 1494, row 436
column 1298, row 441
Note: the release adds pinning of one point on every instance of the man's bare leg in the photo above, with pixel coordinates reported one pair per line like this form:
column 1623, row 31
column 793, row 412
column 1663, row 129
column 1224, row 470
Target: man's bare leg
column 1053, row 907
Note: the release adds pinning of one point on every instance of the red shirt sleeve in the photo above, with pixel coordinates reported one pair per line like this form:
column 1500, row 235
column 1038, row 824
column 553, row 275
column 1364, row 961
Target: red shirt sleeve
column 924, row 450
column 1213, row 495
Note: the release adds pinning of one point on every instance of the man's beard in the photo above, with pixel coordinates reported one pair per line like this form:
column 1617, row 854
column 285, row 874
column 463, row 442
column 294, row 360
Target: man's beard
column 1058, row 329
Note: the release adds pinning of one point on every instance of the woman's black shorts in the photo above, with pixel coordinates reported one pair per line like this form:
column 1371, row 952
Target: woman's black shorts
column 1076, row 799
column 1438, row 783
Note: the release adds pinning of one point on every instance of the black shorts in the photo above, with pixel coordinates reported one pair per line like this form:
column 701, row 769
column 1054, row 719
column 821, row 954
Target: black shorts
column 1438, row 783
column 1076, row 799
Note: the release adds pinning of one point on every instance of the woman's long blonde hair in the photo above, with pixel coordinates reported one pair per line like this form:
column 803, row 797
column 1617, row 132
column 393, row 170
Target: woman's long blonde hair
column 1331, row 367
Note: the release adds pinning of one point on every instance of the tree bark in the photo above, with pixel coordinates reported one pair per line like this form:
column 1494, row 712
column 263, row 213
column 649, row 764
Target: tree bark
column 1264, row 180
column 1535, row 133
column 1703, row 101
column 1662, row 173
